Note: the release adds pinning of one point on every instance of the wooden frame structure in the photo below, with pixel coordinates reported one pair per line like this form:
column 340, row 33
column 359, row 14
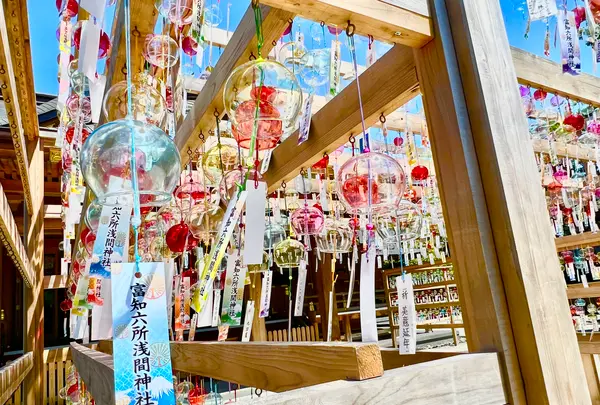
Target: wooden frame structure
column 456, row 54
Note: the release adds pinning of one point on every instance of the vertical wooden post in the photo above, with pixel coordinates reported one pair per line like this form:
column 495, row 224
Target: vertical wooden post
column 34, row 297
column 324, row 286
column 513, row 295
column 259, row 330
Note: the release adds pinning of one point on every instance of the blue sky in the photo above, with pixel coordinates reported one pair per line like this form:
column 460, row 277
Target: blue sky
column 43, row 22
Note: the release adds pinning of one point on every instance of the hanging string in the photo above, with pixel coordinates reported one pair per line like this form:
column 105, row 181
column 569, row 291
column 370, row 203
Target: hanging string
column 258, row 21
column 137, row 216
column 350, row 33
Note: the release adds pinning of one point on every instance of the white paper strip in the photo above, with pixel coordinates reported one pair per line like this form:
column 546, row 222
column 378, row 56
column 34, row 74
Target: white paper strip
column 256, row 202
column 407, row 315
column 265, row 294
column 300, row 288
column 102, row 315
column 193, row 325
column 368, row 320
column 96, row 96
column 540, row 9
column 205, row 316
column 95, row 8
column 216, row 307
column 88, row 50
column 352, row 275
column 330, row 316
column 304, row 129
column 248, row 321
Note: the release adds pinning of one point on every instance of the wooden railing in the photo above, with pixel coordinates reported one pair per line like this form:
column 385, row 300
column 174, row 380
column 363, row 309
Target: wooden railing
column 11, row 379
column 56, row 369
column 299, row 334
column 290, row 368
column 589, row 346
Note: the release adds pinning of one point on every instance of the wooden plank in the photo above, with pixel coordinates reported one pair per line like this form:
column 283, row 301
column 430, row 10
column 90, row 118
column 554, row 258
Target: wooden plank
column 591, row 376
column 12, row 100
column 487, row 322
column 60, row 379
column 12, row 242
column 278, row 366
column 388, row 84
column 392, row 359
column 464, row 379
column 540, row 72
column 562, row 150
column 13, row 374
column 241, row 46
column 325, row 285
column 52, row 383
column 531, row 280
column 579, row 240
column 96, row 370
column 34, row 297
column 56, row 281
column 579, row 291
column 402, row 23
column 259, row 330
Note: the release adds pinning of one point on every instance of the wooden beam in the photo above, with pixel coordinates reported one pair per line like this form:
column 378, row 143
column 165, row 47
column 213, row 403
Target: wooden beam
column 388, row 84
column 591, row 376
column 578, row 240
column 96, row 369
column 392, row 359
column 16, row 15
column 12, row 375
column 242, row 45
column 276, row 366
column 55, row 281
column 539, row 72
column 521, row 241
column 33, row 300
column 12, row 99
column 464, row 379
column 404, row 22
column 589, row 344
column 563, row 150
column 9, row 235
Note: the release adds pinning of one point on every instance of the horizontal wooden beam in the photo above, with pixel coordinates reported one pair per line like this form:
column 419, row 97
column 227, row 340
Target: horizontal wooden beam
column 562, row 150
column 242, row 45
column 539, row 72
column 399, row 21
column 579, row 291
column 12, row 375
column 9, row 235
column 96, row 369
column 276, row 366
column 388, row 84
column 579, row 240
column 392, row 359
column 464, row 379
column 55, row 281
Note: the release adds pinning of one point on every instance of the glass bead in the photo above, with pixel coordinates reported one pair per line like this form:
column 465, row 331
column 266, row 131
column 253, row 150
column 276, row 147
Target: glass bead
column 79, row 106
column 377, row 172
column 179, row 238
column 106, row 163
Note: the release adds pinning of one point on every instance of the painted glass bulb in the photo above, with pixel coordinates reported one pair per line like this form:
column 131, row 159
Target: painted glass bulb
column 189, row 46
column 262, row 95
column 147, row 102
column 215, row 162
column 71, row 8
column 161, row 51
column 308, row 221
column 264, row 266
column 179, row 12
column 371, row 182
column 92, row 215
column 70, row 134
column 204, row 221
column 274, row 233
column 314, row 67
column 233, row 179
column 290, row 55
column 419, row 173
column 288, row 253
column 79, row 106
column 574, row 122
column 336, row 237
column 106, row 163
column 179, row 238
column 212, row 15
